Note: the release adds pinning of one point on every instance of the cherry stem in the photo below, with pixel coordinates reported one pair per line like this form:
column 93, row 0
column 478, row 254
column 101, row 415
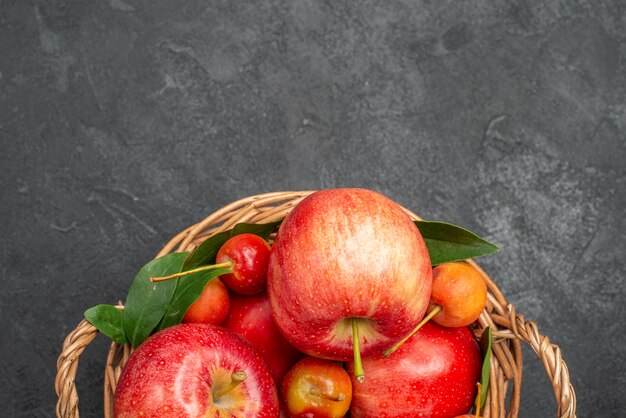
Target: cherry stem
column 478, row 400
column 358, row 365
column 227, row 264
column 317, row 392
column 427, row 318
column 235, row 380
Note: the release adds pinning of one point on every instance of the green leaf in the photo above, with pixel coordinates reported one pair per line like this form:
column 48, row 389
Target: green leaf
column 146, row 301
column 447, row 242
column 206, row 252
column 109, row 320
column 485, row 346
column 187, row 292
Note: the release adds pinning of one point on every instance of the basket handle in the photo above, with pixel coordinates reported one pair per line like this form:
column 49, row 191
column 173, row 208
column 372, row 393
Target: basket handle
column 67, row 365
column 549, row 354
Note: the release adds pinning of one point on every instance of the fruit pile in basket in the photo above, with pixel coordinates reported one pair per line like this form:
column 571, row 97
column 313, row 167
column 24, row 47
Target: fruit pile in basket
column 354, row 309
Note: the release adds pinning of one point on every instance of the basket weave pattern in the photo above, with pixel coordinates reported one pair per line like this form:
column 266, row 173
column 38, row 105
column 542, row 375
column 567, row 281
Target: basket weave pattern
column 509, row 328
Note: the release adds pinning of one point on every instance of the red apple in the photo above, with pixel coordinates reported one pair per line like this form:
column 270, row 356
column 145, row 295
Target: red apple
column 193, row 370
column 316, row 388
column 251, row 317
column 433, row 374
column 348, row 260
column 212, row 306
column 249, row 255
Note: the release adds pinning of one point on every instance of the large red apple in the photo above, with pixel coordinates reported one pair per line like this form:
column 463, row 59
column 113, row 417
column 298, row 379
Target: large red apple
column 251, row 317
column 344, row 259
column 193, row 370
column 433, row 374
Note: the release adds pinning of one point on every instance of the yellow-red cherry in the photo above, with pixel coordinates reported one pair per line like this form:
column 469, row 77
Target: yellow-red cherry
column 460, row 291
column 316, row 388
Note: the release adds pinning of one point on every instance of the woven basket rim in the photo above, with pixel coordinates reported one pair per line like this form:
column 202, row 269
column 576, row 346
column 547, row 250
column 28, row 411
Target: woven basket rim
column 510, row 328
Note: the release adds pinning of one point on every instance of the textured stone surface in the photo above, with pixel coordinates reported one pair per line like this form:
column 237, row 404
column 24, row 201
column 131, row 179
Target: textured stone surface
column 122, row 122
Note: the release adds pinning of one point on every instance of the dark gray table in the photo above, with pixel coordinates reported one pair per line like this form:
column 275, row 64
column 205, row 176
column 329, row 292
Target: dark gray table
column 122, row 122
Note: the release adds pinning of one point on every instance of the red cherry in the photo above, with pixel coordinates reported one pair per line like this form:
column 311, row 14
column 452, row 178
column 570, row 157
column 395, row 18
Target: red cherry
column 251, row 317
column 211, row 307
column 249, row 255
column 246, row 257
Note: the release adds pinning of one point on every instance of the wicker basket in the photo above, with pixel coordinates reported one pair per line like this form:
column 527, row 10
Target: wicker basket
column 503, row 398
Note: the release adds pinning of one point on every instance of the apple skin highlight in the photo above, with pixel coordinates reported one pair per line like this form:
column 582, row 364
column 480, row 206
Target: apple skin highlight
column 343, row 254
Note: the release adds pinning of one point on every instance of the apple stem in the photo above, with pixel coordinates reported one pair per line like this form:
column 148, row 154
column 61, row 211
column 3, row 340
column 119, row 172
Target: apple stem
column 427, row 318
column 227, row 264
column 317, row 392
column 235, row 380
column 358, row 365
